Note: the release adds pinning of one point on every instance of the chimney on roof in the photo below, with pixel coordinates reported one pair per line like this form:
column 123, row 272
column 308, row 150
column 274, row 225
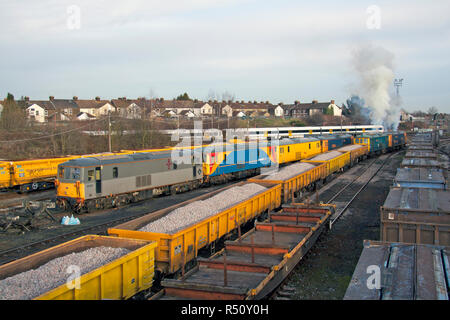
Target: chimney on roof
column 27, row 98
column 75, row 98
column 314, row 101
column 332, row 101
column 51, row 98
column 296, row 102
column 97, row 98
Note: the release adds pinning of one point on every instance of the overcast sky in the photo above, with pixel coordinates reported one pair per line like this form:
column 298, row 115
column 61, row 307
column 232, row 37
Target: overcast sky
column 259, row 50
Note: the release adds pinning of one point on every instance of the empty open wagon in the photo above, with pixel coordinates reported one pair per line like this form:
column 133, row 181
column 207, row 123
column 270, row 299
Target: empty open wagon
column 420, row 178
column 253, row 266
column 414, row 215
column 127, row 273
column 421, row 154
column 406, row 272
column 420, row 163
column 180, row 247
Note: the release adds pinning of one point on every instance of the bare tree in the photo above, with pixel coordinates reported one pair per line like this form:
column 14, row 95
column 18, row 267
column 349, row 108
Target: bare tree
column 432, row 110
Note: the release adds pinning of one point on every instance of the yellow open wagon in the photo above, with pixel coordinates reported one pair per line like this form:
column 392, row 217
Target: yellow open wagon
column 122, row 278
column 296, row 183
column 334, row 160
column 178, row 249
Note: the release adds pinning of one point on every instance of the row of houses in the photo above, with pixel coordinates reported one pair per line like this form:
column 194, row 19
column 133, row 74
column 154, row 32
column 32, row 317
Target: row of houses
column 141, row 108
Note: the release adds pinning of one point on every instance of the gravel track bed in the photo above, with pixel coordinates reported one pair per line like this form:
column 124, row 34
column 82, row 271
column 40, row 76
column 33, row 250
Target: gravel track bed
column 326, row 156
column 290, row 171
column 32, row 283
column 196, row 211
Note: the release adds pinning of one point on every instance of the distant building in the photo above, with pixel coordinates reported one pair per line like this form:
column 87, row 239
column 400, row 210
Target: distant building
column 85, row 116
column 130, row 109
column 95, row 107
column 53, row 109
column 302, row 110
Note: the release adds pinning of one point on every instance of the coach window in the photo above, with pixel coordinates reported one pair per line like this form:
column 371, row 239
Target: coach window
column 115, row 172
column 310, row 146
column 90, row 175
column 289, row 149
column 175, row 166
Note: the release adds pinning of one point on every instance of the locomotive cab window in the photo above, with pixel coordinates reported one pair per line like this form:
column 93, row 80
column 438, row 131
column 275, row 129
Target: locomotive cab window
column 67, row 173
column 76, row 173
column 61, row 172
column 90, row 175
column 115, row 172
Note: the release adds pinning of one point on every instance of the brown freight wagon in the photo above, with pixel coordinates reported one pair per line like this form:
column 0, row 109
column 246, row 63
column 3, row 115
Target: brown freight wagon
column 406, row 272
column 414, row 215
column 421, row 154
column 420, row 163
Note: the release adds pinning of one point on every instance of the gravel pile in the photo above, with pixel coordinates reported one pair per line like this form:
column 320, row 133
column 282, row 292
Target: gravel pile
column 290, row 171
column 196, row 211
column 350, row 147
column 326, row 156
column 32, row 283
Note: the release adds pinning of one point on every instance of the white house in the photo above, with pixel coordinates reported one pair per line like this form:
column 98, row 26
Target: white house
column 37, row 113
column 134, row 111
column 278, row 111
column 206, row 109
column 85, row 116
column 187, row 113
column 95, row 107
column 227, row 111
column 337, row 111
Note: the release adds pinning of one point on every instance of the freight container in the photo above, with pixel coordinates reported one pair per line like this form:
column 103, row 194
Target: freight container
column 420, row 178
column 334, row 160
column 405, row 272
column 414, row 215
column 292, row 185
column 178, row 249
column 119, row 279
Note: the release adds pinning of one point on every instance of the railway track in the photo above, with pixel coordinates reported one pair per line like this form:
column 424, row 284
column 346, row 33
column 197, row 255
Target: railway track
column 11, row 199
column 101, row 228
column 21, row 251
column 343, row 200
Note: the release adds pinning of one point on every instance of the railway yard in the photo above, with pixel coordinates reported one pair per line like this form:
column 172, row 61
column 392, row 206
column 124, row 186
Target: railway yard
column 306, row 231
